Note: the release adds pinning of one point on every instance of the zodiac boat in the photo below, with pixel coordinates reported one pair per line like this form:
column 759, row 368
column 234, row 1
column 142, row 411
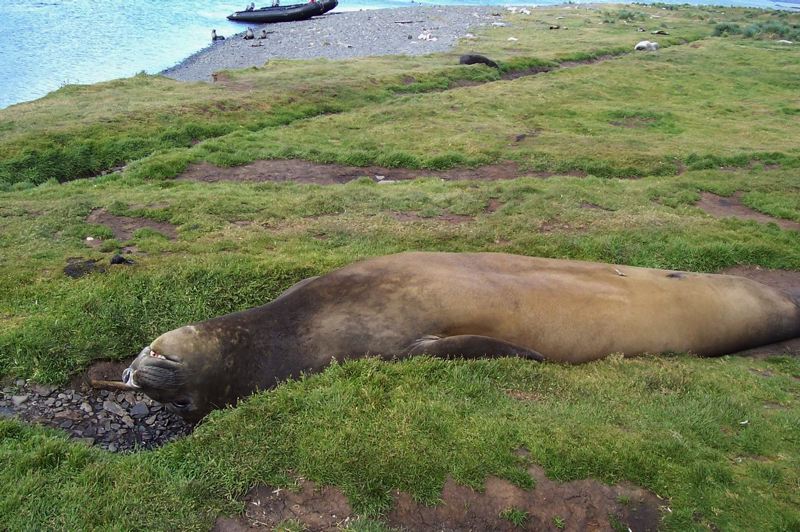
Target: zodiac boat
column 266, row 15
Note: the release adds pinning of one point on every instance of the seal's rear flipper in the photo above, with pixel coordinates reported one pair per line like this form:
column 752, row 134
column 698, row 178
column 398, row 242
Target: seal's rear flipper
column 470, row 346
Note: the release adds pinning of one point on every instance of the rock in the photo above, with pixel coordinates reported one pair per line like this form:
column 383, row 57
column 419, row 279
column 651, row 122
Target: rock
column 112, row 447
column 66, row 424
column 50, row 402
column 86, row 407
column 6, row 411
column 119, row 259
column 20, row 382
column 113, row 408
column 476, row 59
column 43, row 389
column 61, row 396
column 646, row 46
column 139, row 410
column 127, row 420
column 150, row 420
column 19, row 400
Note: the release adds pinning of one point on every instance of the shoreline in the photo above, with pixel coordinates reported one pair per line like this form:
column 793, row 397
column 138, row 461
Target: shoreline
column 417, row 30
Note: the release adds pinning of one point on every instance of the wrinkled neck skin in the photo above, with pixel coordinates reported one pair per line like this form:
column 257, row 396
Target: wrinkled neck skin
column 208, row 365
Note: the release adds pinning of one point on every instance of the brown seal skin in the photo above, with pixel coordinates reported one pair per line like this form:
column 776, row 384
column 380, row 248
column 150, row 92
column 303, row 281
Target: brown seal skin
column 459, row 305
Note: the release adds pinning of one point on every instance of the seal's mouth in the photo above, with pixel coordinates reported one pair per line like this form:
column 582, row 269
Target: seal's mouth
column 154, row 371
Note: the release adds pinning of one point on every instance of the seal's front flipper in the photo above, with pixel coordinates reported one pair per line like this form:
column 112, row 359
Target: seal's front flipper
column 470, row 346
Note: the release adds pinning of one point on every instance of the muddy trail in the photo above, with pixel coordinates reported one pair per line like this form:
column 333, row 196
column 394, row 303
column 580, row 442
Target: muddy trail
column 579, row 505
column 732, row 207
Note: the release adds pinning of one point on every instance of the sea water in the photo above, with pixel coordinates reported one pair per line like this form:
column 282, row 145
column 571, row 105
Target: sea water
column 45, row 45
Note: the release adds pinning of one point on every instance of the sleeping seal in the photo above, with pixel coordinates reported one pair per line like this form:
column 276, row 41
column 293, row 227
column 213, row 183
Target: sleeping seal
column 459, row 304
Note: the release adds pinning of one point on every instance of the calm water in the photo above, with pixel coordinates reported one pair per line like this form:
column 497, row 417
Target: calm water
column 44, row 45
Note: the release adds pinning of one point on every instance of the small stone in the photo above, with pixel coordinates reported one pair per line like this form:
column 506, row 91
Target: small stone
column 90, row 431
column 115, row 426
column 139, row 410
column 18, row 400
column 112, row 447
column 131, row 398
column 43, row 389
column 62, row 396
column 120, row 397
column 50, row 402
column 156, row 407
column 104, row 393
column 77, row 397
column 127, row 420
column 150, row 420
column 20, row 382
column 114, row 408
column 59, row 403
column 66, row 424
column 86, row 441
column 86, row 407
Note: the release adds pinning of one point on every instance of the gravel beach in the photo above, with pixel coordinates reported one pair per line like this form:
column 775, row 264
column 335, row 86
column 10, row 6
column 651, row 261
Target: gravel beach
column 340, row 35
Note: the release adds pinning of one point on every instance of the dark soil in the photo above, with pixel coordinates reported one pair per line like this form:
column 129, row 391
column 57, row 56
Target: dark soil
column 332, row 174
column 582, row 505
column 123, row 227
column 732, row 207
column 115, row 420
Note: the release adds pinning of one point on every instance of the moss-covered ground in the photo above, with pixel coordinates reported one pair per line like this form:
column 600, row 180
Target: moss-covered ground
column 706, row 113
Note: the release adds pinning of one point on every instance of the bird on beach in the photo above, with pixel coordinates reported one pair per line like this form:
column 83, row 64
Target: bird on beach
column 215, row 37
column 263, row 34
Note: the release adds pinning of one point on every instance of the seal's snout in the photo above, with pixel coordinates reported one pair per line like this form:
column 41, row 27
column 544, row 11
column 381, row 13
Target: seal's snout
column 127, row 377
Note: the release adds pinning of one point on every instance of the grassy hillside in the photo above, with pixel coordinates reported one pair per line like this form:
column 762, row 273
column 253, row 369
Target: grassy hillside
column 628, row 143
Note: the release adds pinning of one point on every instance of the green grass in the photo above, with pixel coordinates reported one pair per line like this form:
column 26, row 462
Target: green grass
column 515, row 516
column 705, row 113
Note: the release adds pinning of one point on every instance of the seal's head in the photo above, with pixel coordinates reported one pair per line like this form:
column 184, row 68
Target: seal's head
column 181, row 369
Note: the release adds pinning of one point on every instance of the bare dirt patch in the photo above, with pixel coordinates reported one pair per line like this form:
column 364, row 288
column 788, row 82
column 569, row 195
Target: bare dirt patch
column 123, row 227
column 580, row 505
column 732, row 207
column 280, row 170
column 493, row 206
column 786, row 281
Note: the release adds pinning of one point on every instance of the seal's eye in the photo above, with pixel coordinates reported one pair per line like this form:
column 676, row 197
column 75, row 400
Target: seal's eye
column 181, row 403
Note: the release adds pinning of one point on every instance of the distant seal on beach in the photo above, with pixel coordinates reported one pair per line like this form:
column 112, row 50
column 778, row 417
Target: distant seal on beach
column 475, row 59
column 215, row 37
column 459, row 305
column 248, row 35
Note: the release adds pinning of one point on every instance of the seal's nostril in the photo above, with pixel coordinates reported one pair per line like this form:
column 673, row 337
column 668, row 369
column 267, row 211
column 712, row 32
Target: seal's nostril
column 126, row 375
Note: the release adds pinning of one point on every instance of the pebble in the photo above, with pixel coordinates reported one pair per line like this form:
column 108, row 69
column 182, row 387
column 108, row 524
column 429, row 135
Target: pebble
column 139, row 410
column 18, row 400
column 114, row 408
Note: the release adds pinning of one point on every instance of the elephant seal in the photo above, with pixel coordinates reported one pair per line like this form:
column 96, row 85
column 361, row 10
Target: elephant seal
column 459, row 304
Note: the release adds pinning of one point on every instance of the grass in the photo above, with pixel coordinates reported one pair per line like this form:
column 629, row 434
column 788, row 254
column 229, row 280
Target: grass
column 706, row 113
column 515, row 516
